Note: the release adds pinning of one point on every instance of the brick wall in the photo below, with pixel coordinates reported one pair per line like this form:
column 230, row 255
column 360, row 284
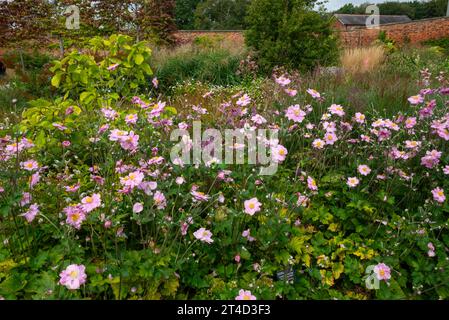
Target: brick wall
column 413, row 32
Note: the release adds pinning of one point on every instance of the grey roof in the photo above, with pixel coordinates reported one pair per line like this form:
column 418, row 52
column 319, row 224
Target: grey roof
column 360, row 19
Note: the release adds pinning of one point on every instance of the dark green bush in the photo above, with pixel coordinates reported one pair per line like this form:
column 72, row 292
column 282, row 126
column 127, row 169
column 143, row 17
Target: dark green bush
column 34, row 61
column 290, row 34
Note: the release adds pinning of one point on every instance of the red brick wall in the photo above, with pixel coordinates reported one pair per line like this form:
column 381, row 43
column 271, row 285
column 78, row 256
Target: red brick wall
column 414, row 32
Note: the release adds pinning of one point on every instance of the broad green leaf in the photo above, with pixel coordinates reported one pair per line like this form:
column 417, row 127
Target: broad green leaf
column 56, row 80
column 138, row 59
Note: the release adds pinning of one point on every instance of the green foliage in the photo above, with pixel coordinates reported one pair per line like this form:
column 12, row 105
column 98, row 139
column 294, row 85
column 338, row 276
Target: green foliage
column 184, row 14
column 443, row 44
column 204, row 62
column 290, row 34
column 32, row 61
column 388, row 43
column 415, row 10
column 221, row 14
column 91, row 76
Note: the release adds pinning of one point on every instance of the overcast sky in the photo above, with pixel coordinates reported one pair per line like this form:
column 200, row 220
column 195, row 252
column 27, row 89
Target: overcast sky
column 333, row 5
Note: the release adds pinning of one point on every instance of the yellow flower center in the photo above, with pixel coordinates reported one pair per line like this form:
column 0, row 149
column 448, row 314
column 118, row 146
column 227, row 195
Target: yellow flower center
column 73, row 274
column 252, row 206
column 89, row 200
column 75, row 217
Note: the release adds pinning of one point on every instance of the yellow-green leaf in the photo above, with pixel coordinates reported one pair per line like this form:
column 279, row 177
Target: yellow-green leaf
column 138, row 59
column 56, row 80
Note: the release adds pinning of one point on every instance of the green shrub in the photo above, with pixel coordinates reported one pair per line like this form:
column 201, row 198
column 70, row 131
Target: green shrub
column 441, row 43
column 207, row 42
column 290, row 34
column 32, row 61
column 217, row 66
column 31, row 79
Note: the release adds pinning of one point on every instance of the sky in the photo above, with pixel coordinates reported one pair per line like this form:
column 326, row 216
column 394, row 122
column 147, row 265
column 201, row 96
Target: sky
column 333, row 5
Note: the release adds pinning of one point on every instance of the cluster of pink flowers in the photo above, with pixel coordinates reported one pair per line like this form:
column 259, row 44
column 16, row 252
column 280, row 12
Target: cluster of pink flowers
column 76, row 214
column 132, row 180
column 243, row 101
column 334, row 128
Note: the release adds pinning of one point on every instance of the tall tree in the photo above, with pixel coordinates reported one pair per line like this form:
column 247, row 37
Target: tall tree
column 416, row 10
column 221, row 14
column 289, row 33
column 185, row 13
column 25, row 21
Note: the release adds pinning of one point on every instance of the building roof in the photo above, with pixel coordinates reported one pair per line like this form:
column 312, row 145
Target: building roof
column 360, row 19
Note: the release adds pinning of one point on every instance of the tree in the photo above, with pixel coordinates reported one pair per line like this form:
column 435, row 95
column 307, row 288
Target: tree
column 25, row 24
column 415, row 10
column 221, row 14
column 291, row 34
column 24, row 21
column 348, row 8
column 185, row 13
column 32, row 23
column 143, row 19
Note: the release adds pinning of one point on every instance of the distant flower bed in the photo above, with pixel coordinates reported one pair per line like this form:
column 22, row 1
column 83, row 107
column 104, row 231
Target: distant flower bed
column 93, row 203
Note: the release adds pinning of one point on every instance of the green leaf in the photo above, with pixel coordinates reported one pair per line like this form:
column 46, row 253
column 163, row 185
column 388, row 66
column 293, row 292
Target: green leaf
column 147, row 69
column 87, row 97
column 171, row 110
column 138, row 59
column 56, row 80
